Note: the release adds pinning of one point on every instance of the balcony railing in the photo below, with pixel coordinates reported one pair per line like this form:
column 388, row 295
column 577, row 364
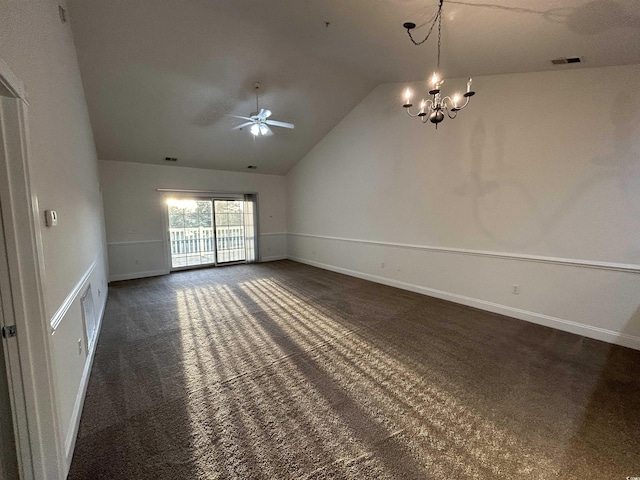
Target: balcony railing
column 228, row 241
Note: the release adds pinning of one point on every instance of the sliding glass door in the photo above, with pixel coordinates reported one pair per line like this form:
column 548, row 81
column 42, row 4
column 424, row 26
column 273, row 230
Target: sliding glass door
column 211, row 231
column 229, row 220
column 191, row 233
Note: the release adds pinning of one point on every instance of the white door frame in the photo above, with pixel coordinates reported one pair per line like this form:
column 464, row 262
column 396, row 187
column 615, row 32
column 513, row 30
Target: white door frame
column 38, row 437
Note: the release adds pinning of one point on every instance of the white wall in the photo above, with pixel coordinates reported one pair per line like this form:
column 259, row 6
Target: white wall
column 536, row 183
column 135, row 210
column 39, row 49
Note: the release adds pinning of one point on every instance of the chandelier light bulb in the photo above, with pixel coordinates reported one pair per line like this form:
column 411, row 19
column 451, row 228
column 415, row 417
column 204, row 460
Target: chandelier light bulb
column 456, row 99
column 469, row 84
column 434, row 79
column 255, row 129
column 407, row 95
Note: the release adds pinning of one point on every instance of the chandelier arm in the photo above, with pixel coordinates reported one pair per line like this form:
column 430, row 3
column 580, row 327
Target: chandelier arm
column 411, row 114
column 465, row 103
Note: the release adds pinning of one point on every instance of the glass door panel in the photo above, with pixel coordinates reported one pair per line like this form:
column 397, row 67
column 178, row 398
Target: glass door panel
column 230, row 234
column 191, row 233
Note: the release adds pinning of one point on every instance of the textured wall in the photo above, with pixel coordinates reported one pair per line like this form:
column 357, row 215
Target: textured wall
column 540, row 164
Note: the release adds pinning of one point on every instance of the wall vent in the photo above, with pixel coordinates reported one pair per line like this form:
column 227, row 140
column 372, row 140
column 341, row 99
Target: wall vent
column 89, row 318
column 566, row 60
column 171, row 159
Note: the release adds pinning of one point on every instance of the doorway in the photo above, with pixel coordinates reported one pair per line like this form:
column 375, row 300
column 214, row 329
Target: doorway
column 8, row 451
column 211, row 231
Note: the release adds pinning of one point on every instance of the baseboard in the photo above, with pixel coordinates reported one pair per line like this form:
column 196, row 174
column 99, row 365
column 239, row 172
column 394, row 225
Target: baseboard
column 273, row 258
column 132, row 276
column 589, row 331
column 72, row 435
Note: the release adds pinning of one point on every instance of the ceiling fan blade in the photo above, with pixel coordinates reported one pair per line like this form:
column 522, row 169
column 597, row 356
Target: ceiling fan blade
column 238, row 127
column 276, row 123
column 238, row 116
column 264, row 114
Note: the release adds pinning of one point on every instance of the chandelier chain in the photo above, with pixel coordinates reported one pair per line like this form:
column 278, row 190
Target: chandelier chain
column 436, row 19
column 439, row 32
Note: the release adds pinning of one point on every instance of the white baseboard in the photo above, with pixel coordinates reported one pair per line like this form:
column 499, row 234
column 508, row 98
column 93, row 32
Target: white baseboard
column 132, row 276
column 72, row 434
column 273, row 258
column 589, row 331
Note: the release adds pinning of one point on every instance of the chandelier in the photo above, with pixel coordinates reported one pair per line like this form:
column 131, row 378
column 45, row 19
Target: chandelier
column 434, row 109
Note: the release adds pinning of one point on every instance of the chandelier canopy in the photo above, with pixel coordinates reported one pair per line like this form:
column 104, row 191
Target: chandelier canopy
column 434, row 109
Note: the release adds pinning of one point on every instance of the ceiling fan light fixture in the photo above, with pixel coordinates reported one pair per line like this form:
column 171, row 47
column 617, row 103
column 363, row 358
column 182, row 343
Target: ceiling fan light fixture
column 259, row 122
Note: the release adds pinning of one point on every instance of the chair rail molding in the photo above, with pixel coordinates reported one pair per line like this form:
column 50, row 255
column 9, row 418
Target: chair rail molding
column 71, row 297
column 618, row 267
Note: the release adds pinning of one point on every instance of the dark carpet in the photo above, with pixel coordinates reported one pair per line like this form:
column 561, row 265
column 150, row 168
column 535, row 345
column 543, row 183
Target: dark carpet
column 285, row 371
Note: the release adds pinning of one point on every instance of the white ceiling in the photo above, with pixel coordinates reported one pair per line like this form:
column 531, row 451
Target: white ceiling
column 160, row 74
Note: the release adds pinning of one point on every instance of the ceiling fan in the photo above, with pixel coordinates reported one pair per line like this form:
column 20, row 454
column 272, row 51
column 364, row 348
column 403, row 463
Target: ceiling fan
column 259, row 122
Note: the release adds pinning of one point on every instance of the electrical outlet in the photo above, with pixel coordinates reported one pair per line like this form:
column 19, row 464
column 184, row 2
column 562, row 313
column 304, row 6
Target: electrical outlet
column 381, row 264
column 515, row 289
column 79, row 346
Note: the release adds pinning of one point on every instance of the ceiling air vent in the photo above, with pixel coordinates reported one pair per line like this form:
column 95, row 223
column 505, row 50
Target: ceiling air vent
column 171, row 159
column 565, row 60
column 252, row 167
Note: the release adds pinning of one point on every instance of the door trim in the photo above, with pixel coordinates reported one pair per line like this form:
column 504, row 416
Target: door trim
column 36, row 417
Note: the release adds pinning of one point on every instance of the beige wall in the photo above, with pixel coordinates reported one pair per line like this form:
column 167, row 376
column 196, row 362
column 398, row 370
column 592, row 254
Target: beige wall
column 540, row 170
column 39, row 49
column 135, row 210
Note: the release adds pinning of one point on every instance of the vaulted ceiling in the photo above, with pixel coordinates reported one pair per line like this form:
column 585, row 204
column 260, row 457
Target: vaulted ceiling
column 159, row 75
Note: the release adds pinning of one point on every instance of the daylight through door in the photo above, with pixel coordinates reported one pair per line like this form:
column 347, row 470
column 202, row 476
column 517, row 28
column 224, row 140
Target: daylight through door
column 210, row 231
column 230, row 234
column 191, row 233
